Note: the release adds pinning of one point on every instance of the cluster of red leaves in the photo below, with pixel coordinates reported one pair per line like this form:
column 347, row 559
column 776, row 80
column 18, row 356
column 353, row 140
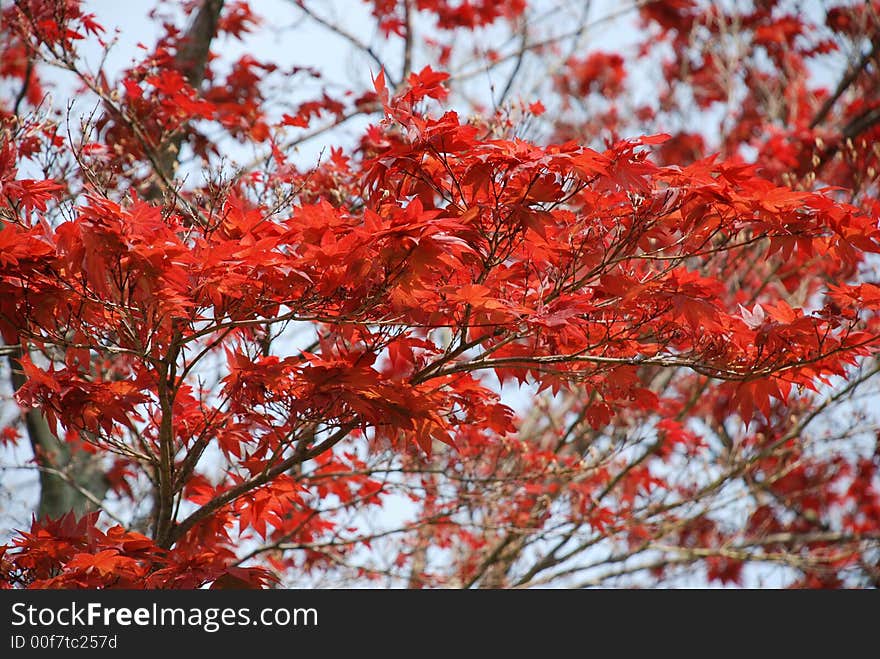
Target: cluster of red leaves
column 75, row 553
column 450, row 15
column 601, row 73
column 587, row 279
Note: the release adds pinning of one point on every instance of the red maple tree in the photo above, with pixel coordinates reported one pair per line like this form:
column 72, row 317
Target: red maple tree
column 608, row 320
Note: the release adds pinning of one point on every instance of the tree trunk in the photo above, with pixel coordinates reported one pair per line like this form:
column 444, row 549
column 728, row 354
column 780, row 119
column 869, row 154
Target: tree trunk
column 69, row 480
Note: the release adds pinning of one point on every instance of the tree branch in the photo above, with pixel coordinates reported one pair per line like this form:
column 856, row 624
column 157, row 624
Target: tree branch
column 848, row 79
column 262, row 478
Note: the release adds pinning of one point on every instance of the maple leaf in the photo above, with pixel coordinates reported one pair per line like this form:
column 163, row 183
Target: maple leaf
column 426, row 82
column 537, row 108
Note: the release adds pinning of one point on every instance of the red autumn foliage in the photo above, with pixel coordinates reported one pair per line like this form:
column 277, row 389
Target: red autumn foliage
column 618, row 326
